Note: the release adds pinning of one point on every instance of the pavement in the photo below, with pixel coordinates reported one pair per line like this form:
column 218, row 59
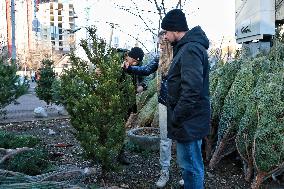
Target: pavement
column 24, row 110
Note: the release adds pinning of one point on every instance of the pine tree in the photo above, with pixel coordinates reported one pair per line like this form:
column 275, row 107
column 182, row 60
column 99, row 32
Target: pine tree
column 98, row 101
column 44, row 84
column 10, row 86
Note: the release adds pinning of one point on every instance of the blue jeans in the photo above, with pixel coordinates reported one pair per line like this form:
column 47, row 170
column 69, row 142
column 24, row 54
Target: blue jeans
column 190, row 160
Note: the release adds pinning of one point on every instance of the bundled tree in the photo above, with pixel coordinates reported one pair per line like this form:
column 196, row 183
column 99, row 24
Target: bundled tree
column 251, row 119
column 221, row 80
column 233, row 109
column 97, row 100
column 260, row 137
column 11, row 87
column 44, row 84
column 267, row 146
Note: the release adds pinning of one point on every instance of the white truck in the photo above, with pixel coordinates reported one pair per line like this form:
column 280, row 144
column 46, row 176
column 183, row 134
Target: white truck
column 256, row 19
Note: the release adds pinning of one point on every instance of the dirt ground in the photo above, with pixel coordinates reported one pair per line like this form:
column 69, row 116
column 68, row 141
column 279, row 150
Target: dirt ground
column 144, row 168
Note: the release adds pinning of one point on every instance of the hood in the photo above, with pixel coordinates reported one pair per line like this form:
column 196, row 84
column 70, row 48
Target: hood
column 196, row 34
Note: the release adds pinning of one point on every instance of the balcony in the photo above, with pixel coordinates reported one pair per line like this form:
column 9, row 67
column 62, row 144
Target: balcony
column 71, row 20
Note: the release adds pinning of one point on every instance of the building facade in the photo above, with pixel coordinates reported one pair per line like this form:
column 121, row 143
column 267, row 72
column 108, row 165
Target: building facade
column 3, row 28
column 22, row 31
column 57, row 22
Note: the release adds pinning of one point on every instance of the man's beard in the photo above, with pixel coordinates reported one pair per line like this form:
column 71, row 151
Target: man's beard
column 173, row 43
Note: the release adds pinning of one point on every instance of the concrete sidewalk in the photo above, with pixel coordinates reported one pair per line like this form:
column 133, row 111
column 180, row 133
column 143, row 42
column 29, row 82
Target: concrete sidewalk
column 24, row 110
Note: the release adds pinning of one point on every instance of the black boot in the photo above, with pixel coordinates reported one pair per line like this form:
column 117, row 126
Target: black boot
column 122, row 157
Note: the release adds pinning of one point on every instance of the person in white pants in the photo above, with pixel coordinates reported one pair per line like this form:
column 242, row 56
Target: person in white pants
column 165, row 147
column 162, row 64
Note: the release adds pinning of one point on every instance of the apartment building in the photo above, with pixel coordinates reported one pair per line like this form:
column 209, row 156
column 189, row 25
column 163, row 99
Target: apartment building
column 3, row 28
column 22, row 19
column 57, row 21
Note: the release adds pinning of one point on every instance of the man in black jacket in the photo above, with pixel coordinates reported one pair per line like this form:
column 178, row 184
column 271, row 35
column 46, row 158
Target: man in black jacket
column 188, row 95
column 134, row 58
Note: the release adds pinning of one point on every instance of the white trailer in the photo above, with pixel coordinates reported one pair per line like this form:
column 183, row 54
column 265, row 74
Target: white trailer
column 255, row 23
column 255, row 20
column 279, row 8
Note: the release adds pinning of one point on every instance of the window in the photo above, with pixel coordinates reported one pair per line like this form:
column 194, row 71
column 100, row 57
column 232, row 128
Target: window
column 72, row 26
column 60, row 6
column 51, row 18
column 71, row 19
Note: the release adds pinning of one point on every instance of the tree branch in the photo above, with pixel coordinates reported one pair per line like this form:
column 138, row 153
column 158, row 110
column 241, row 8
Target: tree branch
column 178, row 4
column 12, row 152
column 135, row 39
column 139, row 16
column 183, row 3
column 163, row 6
column 158, row 9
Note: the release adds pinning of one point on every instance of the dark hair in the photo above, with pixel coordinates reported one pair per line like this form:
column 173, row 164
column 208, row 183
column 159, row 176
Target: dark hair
column 161, row 33
column 136, row 53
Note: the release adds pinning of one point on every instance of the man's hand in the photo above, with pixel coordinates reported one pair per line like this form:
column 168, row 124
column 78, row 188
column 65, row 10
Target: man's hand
column 125, row 65
column 98, row 71
column 139, row 89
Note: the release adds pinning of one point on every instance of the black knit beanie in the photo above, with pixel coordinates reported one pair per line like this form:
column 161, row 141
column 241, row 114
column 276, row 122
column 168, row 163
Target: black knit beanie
column 136, row 53
column 174, row 21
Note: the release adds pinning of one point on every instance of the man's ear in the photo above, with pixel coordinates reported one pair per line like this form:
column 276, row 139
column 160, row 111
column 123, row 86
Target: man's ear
column 135, row 63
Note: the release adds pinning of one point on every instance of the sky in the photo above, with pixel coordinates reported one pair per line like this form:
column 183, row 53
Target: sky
column 217, row 19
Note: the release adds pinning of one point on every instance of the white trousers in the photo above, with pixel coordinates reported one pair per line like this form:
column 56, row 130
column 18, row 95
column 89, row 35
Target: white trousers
column 165, row 143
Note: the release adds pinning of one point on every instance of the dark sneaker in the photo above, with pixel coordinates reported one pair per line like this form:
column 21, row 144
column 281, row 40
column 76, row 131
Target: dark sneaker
column 123, row 159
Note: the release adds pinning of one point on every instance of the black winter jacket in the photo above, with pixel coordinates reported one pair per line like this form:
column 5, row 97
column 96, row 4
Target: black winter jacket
column 137, row 80
column 188, row 88
column 148, row 69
